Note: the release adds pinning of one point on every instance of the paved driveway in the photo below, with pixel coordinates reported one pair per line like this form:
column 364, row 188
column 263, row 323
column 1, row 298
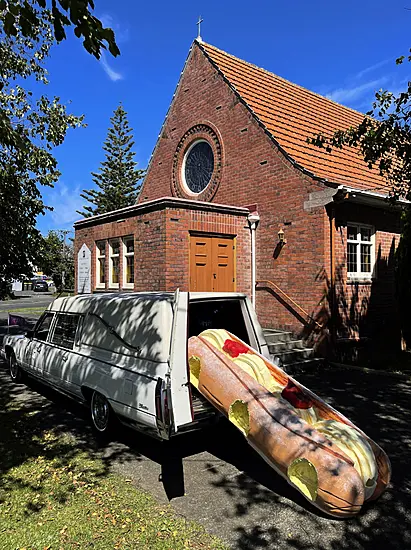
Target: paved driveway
column 23, row 300
column 234, row 494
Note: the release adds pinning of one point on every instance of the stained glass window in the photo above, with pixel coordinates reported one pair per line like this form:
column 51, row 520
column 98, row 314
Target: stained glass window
column 198, row 166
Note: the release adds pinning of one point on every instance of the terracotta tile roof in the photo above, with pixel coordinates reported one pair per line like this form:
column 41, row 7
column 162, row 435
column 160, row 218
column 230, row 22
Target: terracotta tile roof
column 291, row 114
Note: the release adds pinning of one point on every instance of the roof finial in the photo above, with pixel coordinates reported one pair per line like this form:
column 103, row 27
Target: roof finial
column 199, row 28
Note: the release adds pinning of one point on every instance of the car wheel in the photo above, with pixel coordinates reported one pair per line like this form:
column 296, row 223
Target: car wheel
column 16, row 374
column 101, row 413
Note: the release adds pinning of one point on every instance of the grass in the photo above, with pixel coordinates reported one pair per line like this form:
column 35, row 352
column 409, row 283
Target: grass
column 63, row 294
column 56, row 494
column 28, row 310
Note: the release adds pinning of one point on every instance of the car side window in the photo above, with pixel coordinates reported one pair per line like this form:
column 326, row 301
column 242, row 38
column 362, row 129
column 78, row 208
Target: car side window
column 43, row 327
column 64, row 334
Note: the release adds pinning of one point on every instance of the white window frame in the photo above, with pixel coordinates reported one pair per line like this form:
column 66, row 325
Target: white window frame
column 111, row 284
column 125, row 256
column 361, row 275
column 99, row 256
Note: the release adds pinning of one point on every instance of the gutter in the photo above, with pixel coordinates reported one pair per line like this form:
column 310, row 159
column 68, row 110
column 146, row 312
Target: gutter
column 160, row 204
column 253, row 221
column 370, row 197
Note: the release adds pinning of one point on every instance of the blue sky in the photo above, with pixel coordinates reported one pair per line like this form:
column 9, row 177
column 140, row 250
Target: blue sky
column 344, row 50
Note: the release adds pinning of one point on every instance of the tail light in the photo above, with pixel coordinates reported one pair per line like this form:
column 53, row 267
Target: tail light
column 166, row 409
column 159, row 408
column 162, row 409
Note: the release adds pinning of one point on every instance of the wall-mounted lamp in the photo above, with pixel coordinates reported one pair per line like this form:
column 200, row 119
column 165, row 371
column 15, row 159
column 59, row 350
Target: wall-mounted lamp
column 281, row 238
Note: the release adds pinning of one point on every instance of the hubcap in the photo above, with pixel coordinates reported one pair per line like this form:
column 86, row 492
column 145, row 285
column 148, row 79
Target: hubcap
column 100, row 411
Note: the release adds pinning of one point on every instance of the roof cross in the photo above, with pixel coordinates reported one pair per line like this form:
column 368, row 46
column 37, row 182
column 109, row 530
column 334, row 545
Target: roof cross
column 199, row 28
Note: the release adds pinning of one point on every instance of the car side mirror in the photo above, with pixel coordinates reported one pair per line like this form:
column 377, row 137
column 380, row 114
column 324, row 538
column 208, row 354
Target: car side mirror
column 30, row 334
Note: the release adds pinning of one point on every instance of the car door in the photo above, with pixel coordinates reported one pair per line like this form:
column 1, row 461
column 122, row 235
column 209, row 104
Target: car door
column 180, row 380
column 37, row 349
column 62, row 367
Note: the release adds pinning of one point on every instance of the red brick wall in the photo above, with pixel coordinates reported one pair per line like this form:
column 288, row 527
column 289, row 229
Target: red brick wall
column 253, row 172
column 369, row 309
column 149, row 248
column 161, row 252
column 180, row 222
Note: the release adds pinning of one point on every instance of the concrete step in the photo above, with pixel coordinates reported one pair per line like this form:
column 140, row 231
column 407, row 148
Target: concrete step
column 273, row 336
column 279, row 347
column 294, row 355
column 290, row 354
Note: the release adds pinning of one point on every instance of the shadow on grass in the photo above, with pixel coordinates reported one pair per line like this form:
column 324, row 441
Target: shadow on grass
column 31, row 430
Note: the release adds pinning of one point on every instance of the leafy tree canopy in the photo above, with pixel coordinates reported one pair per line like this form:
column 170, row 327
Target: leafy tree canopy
column 23, row 17
column 383, row 138
column 57, row 260
column 31, row 126
column 117, row 180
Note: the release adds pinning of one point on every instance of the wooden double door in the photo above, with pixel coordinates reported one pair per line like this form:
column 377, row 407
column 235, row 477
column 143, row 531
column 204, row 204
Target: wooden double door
column 212, row 266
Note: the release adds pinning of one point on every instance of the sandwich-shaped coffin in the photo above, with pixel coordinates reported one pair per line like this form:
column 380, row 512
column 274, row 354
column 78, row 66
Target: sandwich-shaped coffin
column 319, row 451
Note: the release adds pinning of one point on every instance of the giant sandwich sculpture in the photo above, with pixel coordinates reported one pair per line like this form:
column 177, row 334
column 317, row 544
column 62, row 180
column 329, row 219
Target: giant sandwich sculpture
column 319, row 451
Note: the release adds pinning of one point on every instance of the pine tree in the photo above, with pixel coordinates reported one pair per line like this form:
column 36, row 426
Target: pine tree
column 117, row 180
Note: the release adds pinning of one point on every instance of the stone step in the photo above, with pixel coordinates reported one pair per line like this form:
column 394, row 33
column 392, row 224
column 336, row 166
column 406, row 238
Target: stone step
column 279, row 347
column 273, row 336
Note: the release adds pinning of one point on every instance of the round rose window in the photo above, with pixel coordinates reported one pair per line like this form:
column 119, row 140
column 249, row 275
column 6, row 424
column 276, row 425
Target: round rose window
column 198, row 166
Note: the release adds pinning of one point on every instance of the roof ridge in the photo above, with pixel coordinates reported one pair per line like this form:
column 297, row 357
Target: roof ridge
column 202, row 43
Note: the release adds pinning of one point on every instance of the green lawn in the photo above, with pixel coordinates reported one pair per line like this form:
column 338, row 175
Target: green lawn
column 55, row 495
column 27, row 310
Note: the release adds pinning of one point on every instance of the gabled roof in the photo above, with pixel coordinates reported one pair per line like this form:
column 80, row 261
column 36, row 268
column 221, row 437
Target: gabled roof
column 291, row 113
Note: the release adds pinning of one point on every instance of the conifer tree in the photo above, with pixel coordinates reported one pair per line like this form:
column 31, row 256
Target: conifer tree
column 118, row 177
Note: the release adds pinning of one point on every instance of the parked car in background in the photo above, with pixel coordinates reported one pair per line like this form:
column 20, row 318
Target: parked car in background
column 40, row 286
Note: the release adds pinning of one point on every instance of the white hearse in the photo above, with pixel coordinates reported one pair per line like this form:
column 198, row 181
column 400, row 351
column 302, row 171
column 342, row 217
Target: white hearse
column 125, row 355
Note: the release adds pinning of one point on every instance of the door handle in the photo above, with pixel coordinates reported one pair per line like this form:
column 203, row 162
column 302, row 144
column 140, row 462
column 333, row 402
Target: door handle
column 214, row 275
column 65, row 357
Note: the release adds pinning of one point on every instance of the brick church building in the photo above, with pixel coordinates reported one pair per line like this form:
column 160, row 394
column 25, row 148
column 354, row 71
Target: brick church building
column 235, row 199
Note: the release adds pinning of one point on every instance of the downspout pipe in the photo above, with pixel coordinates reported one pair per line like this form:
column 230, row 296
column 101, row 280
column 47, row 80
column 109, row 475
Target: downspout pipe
column 253, row 220
column 333, row 303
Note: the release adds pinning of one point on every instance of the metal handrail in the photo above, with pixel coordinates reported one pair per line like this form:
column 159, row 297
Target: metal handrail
column 277, row 288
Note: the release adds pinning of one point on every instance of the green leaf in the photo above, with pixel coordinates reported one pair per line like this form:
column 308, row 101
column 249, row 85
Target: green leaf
column 59, row 31
column 15, row 9
column 9, row 24
column 65, row 4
